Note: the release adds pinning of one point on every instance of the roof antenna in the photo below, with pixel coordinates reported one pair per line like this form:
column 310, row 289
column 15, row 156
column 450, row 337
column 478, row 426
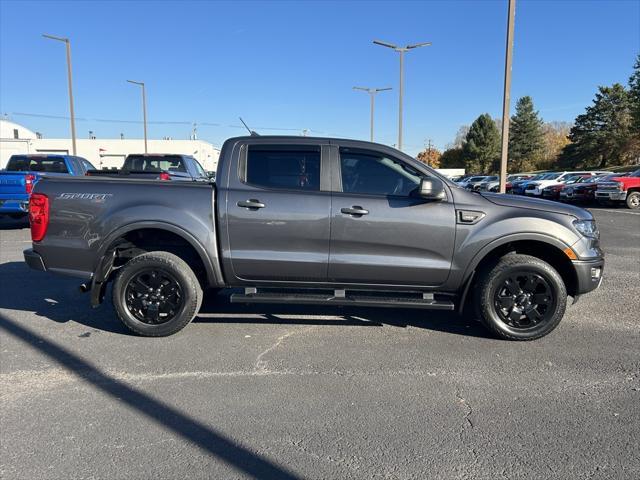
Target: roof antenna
column 251, row 132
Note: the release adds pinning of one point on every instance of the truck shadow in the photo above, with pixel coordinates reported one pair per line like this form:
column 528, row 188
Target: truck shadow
column 210, row 440
column 8, row 223
column 57, row 299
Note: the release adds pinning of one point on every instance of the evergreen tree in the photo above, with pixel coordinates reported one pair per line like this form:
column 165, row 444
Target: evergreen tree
column 452, row 158
column 634, row 97
column 526, row 137
column 482, row 146
column 600, row 136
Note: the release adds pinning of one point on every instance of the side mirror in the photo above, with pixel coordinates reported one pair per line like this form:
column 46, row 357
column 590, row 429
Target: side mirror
column 431, row 188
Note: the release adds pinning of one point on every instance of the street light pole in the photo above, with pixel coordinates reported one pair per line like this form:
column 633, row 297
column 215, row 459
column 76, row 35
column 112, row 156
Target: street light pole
column 401, row 51
column 69, row 79
column 506, row 99
column 372, row 94
column 144, row 111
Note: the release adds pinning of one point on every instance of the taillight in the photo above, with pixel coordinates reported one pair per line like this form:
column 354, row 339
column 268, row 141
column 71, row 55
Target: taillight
column 165, row 176
column 29, row 180
column 38, row 216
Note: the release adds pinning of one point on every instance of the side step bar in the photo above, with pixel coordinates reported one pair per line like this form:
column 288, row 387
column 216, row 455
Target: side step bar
column 340, row 297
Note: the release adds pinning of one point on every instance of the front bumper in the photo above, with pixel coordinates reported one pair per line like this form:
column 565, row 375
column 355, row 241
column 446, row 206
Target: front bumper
column 611, row 195
column 589, row 274
column 34, row 260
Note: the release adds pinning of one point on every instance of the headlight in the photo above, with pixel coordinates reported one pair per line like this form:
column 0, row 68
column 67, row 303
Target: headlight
column 587, row 228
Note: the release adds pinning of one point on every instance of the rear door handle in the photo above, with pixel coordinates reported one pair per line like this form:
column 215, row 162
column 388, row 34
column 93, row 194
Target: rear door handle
column 251, row 204
column 355, row 210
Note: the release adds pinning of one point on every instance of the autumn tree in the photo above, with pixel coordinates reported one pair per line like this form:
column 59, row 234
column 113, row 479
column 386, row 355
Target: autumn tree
column 482, row 146
column 526, row 137
column 430, row 156
column 556, row 138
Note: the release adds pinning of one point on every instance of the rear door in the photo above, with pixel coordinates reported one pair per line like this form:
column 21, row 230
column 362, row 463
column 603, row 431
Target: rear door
column 277, row 212
column 381, row 233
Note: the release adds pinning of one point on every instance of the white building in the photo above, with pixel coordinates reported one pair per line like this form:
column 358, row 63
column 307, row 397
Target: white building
column 101, row 152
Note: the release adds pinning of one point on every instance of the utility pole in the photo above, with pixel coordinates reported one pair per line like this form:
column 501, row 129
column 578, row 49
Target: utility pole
column 69, row 79
column 372, row 93
column 144, row 111
column 401, row 51
column 506, row 99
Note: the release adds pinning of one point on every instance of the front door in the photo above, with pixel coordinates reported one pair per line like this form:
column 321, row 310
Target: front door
column 278, row 216
column 381, row 233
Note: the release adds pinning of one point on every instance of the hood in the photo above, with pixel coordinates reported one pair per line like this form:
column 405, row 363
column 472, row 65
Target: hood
column 517, row 201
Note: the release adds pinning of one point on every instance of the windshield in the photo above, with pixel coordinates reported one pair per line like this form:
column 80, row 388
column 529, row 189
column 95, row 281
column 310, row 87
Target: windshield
column 550, row 176
column 29, row 163
column 475, row 179
column 635, row 174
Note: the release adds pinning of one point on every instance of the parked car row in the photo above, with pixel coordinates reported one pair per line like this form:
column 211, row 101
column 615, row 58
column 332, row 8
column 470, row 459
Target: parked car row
column 22, row 173
column 568, row 186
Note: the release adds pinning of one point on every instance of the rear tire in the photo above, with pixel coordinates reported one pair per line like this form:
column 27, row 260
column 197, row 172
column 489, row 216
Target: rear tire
column 633, row 200
column 156, row 294
column 520, row 297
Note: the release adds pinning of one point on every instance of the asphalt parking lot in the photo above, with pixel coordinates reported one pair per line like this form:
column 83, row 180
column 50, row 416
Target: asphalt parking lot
column 300, row 392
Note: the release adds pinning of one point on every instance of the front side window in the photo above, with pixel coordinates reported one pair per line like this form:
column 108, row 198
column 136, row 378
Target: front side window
column 373, row 173
column 283, row 168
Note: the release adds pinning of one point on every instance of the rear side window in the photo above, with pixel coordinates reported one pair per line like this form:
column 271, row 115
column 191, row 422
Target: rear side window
column 273, row 167
column 155, row 163
column 26, row 163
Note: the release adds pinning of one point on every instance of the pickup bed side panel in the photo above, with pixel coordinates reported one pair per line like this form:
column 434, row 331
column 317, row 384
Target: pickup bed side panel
column 87, row 214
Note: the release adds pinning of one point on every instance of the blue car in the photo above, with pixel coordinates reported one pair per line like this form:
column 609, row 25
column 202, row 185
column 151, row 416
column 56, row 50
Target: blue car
column 24, row 171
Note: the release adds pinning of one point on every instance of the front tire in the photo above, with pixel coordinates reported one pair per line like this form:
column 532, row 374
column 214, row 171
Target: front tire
column 156, row 294
column 521, row 297
column 633, row 200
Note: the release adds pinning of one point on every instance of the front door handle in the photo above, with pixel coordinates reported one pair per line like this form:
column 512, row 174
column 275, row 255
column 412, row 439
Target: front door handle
column 251, row 204
column 355, row 210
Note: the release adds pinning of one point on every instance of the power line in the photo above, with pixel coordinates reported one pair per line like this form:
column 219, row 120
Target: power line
column 166, row 122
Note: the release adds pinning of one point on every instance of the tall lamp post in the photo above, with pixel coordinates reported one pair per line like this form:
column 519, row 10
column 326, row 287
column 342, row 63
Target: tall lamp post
column 506, row 99
column 372, row 93
column 401, row 51
column 71, row 112
column 144, row 111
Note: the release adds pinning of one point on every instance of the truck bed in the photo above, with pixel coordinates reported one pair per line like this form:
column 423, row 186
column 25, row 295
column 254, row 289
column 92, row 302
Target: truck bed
column 88, row 213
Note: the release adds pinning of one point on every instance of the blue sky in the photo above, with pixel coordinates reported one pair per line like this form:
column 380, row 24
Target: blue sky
column 292, row 65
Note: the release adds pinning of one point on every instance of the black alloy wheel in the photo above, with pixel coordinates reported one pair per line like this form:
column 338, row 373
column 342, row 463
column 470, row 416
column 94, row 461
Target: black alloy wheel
column 154, row 296
column 524, row 300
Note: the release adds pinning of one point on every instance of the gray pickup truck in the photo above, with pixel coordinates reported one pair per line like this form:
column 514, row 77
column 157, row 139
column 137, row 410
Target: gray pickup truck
column 315, row 221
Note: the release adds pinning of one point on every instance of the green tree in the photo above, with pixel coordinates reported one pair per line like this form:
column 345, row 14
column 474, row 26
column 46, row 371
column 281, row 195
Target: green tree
column 601, row 136
column 482, row 146
column 526, row 137
column 452, row 158
column 634, row 97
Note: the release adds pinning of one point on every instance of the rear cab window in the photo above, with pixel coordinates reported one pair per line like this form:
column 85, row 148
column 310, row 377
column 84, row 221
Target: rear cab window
column 283, row 167
column 155, row 163
column 32, row 163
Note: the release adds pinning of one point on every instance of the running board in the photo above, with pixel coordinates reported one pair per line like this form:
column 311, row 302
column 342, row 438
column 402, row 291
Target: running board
column 340, row 297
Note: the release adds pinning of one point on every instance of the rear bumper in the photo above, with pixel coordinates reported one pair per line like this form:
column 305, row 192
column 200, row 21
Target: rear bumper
column 14, row 205
column 589, row 274
column 34, row 260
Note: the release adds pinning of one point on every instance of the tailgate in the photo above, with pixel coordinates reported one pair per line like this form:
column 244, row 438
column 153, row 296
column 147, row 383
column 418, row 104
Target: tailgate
column 12, row 184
